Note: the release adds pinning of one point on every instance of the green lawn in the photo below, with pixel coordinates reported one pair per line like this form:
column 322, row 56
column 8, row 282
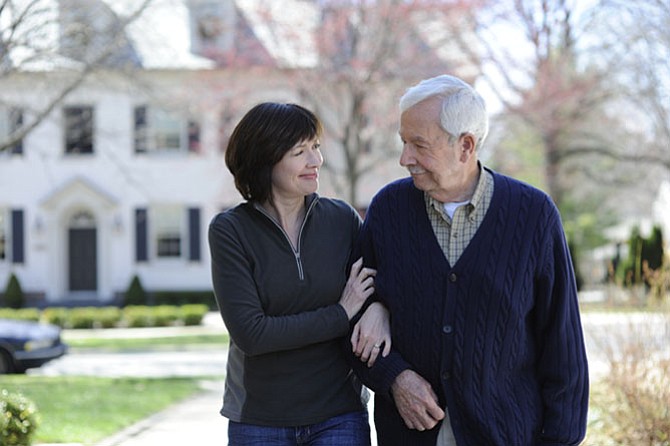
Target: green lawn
column 148, row 344
column 86, row 409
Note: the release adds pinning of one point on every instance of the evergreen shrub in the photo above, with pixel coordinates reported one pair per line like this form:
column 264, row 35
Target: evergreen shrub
column 18, row 419
column 135, row 294
column 14, row 297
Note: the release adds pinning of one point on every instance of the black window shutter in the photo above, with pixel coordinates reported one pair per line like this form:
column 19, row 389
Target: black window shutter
column 18, row 239
column 141, row 240
column 16, row 122
column 140, row 129
column 194, row 234
column 193, row 137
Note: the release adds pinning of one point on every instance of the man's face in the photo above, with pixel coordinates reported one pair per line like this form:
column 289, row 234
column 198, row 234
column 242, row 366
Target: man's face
column 436, row 166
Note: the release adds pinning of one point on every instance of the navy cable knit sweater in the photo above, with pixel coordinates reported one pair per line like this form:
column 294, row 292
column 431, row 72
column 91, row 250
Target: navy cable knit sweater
column 498, row 334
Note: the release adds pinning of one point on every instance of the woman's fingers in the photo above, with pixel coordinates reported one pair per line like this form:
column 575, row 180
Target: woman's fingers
column 356, row 268
column 355, row 340
column 387, row 346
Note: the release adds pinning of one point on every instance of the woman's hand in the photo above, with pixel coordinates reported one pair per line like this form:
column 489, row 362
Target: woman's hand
column 359, row 287
column 371, row 333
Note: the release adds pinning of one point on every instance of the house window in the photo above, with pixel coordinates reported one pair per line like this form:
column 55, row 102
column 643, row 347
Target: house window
column 157, row 130
column 11, row 121
column 175, row 233
column 168, row 230
column 78, row 129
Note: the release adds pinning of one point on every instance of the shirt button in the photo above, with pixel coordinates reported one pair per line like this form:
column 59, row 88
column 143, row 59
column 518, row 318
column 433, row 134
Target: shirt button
column 447, row 329
column 446, row 375
column 453, row 277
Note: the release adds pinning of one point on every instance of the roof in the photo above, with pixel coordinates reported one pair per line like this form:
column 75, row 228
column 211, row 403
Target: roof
column 164, row 34
column 161, row 36
column 286, row 29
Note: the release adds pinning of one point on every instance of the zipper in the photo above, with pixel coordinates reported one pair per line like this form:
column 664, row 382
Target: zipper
column 296, row 249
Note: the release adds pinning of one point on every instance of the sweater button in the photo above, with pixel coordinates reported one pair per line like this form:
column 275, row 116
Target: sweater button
column 447, row 329
column 453, row 277
column 446, row 375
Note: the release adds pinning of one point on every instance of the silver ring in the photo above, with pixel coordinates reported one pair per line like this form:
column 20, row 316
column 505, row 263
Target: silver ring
column 377, row 345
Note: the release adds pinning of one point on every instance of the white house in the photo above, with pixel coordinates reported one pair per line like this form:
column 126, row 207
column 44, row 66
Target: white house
column 122, row 176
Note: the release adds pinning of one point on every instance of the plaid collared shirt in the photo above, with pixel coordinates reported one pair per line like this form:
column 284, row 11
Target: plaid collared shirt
column 455, row 234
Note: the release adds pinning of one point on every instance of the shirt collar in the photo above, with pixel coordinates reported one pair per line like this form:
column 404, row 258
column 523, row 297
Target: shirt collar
column 476, row 196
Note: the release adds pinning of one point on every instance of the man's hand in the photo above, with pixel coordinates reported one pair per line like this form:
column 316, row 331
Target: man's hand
column 416, row 401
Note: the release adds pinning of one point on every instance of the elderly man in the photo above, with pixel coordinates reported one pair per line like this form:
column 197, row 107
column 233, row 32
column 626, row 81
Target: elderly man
column 474, row 269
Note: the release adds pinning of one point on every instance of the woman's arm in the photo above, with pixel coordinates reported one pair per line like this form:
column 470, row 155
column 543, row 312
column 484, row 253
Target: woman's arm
column 372, row 334
column 251, row 329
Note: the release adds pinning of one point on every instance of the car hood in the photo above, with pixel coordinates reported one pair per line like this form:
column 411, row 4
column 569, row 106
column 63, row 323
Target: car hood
column 25, row 329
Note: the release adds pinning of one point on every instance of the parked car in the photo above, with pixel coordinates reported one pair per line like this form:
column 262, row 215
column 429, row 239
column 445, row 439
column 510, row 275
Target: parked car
column 26, row 344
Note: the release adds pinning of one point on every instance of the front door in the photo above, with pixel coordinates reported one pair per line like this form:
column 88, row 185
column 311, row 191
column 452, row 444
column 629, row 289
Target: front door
column 83, row 253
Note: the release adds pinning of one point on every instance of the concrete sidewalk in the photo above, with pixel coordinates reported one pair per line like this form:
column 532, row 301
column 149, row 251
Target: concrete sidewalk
column 194, row 421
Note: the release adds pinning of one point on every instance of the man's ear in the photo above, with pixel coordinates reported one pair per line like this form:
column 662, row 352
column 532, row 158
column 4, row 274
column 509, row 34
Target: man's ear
column 467, row 145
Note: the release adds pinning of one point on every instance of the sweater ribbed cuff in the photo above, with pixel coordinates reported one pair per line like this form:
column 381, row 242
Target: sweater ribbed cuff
column 385, row 371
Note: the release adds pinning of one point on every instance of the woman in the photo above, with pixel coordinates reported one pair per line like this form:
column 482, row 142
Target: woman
column 279, row 269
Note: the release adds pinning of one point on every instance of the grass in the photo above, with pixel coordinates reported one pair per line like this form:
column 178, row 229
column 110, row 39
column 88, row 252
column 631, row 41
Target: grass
column 79, row 409
column 604, row 307
column 87, row 409
column 148, row 344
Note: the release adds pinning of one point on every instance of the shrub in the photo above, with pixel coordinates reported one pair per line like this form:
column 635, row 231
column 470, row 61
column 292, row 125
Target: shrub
column 81, row 317
column 135, row 294
column 110, row 317
column 643, row 254
column 138, row 316
column 23, row 314
column 18, row 419
column 55, row 316
column 631, row 401
column 166, row 315
column 107, row 317
column 193, row 314
column 14, row 297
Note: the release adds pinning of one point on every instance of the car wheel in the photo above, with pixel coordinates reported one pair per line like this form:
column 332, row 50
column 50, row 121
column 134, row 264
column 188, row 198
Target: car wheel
column 6, row 363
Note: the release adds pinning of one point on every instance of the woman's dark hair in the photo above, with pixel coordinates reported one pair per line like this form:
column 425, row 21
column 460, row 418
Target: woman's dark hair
column 261, row 139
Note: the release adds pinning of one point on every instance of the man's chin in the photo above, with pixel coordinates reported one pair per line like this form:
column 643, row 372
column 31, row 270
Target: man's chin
column 419, row 183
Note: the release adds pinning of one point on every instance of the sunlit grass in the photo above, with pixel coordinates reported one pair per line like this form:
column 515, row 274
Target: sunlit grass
column 87, row 409
column 149, row 344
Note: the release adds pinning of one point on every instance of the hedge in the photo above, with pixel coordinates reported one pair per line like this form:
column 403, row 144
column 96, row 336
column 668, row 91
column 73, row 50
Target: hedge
column 112, row 317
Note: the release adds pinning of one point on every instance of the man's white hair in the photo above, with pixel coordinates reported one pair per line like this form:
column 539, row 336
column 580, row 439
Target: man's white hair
column 463, row 109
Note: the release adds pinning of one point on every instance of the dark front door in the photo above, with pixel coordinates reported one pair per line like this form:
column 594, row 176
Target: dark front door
column 83, row 256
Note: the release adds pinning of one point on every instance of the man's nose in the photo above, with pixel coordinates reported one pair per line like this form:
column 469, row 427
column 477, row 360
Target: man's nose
column 407, row 156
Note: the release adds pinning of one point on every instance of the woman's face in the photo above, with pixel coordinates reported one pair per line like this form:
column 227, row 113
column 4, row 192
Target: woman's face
column 297, row 174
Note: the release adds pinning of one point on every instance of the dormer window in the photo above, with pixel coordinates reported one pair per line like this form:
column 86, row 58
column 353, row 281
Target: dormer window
column 210, row 28
column 212, row 23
